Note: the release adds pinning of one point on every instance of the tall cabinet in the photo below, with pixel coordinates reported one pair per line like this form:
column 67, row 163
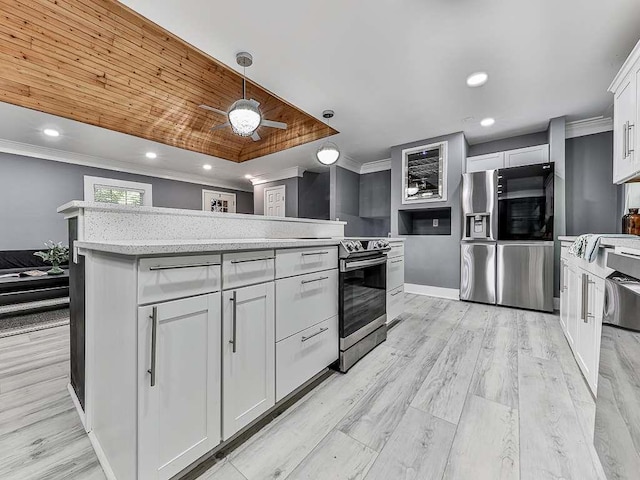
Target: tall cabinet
column 626, row 92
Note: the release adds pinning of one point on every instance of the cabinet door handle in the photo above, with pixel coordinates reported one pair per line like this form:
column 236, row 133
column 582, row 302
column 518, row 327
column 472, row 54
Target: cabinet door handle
column 154, row 337
column 189, row 265
column 625, row 138
column 397, row 293
column 396, row 261
column 234, row 312
column 583, row 315
column 251, row 260
column 629, row 138
column 306, row 254
column 319, row 279
column 322, row 330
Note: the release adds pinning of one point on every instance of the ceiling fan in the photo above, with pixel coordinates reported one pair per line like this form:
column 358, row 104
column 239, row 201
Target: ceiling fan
column 244, row 116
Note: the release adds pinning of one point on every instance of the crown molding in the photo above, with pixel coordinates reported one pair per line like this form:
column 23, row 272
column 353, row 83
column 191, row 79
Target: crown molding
column 281, row 175
column 376, row 166
column 349, row 164
column 46, row 153
column 588, row 126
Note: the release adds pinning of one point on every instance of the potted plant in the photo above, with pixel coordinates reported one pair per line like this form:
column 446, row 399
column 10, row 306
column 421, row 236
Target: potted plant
column 55, row 255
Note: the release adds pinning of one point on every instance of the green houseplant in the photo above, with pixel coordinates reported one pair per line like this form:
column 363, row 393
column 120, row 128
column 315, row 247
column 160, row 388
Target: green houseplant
column 55, row 255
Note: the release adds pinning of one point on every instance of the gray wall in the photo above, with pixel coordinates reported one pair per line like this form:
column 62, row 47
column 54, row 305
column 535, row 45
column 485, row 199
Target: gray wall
column 432, row 260
column 313, row 195
column 290, row 196
column 31, row 190
column 512, row 143
column 592, row 200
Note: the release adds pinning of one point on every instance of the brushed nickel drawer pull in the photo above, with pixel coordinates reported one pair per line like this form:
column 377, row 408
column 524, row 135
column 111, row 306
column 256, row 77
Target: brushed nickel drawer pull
column 154, row 336
column 186, row 265
column 234, row 313
column 397, row 261
column 252, row 260
column 319, row 279
column 305, row 254
column 322, row 330
column 397, row 293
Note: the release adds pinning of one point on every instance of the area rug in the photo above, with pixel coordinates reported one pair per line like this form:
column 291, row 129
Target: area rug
column 32, row 321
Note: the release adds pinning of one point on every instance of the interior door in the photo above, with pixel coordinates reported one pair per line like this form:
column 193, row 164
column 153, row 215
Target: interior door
column 274, row 201
column 179, row 384
column 248, row 362
column 478, row 272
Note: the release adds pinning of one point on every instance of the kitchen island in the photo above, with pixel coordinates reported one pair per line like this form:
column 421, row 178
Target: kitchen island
column 193, row 326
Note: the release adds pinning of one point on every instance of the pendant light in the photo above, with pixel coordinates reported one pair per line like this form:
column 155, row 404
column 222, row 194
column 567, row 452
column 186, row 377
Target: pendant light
column 328, row 153
column 244, row 116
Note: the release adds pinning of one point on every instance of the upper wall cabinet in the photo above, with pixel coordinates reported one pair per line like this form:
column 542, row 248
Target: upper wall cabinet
column 510, row 158
column 626, row 88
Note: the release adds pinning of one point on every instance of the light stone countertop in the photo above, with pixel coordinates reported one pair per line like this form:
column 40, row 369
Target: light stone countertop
column 609, row 242
column 170, row 247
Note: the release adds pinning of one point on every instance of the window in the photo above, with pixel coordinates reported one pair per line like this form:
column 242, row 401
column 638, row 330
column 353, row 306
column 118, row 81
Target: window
column 121, row 192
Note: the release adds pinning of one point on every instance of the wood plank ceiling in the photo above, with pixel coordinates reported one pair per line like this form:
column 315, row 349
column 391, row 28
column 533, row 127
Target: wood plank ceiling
column 99, row 62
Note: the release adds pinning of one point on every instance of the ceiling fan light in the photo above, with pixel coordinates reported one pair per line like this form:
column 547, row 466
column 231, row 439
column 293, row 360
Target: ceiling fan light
column 328, row 153
column 244, row 118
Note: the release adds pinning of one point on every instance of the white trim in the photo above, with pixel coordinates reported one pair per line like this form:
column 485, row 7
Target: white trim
column 284, row 198
column 440, row 292
column 588, row 126
column 45, row 153
column 91, row 182
column 445, row 167
column 281, row 175
column 76, row 403
column 625, row 69
column 230, row 194
column 349, row 164
column 376, row 166
column 102, row 458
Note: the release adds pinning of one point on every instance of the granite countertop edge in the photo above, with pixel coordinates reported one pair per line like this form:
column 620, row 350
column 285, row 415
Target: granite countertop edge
column 608, row 242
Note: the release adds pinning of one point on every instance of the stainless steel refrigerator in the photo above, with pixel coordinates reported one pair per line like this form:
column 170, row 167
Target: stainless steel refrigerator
column 506, row 252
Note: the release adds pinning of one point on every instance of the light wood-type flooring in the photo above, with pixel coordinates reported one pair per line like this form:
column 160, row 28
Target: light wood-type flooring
column 458, row 391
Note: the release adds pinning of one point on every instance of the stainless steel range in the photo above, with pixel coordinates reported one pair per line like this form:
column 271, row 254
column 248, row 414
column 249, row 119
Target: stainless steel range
column 362, row 298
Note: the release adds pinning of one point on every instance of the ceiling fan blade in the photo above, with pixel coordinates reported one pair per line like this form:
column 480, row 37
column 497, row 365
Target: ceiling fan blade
column 272, row 124
column 255, row 137
column 218, row 127
column 211, row 109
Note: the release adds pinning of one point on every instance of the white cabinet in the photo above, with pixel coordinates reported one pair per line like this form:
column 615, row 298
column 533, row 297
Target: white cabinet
column 526, row 156
column 395, row 280
column 510, row 158
column 247, row 268
column 248, row 360
column 626, row 88
column 178, row 384
column 481, row 163
column 298, row 261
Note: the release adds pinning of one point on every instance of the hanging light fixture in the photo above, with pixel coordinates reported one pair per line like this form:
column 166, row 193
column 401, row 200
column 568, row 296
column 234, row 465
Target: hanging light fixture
column 328, row 153
column 244, row 115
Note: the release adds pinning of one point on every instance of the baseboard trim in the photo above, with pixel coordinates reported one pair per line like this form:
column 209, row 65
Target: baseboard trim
column 449, row 293
column 102, row 458
column 76, row 403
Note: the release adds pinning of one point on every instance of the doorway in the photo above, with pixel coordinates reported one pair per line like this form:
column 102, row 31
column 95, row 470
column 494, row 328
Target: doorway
column 274, row 201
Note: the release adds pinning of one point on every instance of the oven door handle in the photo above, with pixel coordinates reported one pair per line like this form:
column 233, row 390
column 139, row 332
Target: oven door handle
column 354, row 265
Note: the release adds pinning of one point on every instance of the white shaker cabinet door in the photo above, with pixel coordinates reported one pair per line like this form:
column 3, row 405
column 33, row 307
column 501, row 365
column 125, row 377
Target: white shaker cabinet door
column 481, row 163
column 179, row 384
column 248, row 362
column 624, row 129
column 589, row 329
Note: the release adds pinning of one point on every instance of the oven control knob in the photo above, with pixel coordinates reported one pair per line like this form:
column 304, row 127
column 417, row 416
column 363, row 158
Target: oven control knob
column 349, row 246
column 357, row 245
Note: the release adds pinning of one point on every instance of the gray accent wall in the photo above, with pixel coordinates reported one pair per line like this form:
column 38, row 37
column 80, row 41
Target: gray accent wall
column 432, row 260
column 592, row 200
column 313, row 195
column 511, row 143
column 31, row 189
column 290, row 196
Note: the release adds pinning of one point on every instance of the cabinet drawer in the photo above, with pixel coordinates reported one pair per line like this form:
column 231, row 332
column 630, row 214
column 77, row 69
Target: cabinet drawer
column 247, row 268
column 395, row 303
column 395, row 273
column 397, row 250
column 168, row 278
column 297, row 261
column 305, row 300
column 301, row 356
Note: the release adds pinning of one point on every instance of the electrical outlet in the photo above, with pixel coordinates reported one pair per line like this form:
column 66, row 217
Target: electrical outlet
column 435, row 222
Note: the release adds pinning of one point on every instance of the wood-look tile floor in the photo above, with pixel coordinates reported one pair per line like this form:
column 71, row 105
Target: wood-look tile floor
column 458, row 391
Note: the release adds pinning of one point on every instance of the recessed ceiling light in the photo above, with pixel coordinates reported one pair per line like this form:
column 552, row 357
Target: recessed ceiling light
column 151, row 155
column 50, row 132
column 248, row 176
column 487, row 122
column 206, row 167
column 477, row 79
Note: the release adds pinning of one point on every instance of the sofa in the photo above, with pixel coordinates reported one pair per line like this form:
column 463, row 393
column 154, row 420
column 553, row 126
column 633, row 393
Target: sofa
column 14, row 290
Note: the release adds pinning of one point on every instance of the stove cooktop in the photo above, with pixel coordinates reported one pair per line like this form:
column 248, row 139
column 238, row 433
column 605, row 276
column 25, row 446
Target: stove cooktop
column 350, row 247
